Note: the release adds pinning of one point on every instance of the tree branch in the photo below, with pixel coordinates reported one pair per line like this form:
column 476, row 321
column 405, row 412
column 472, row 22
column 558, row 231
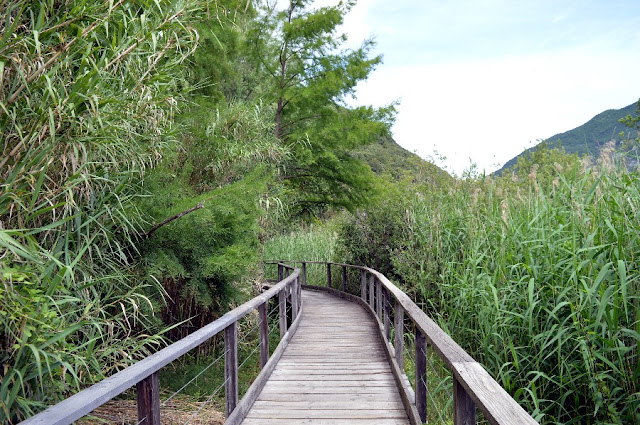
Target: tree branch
column 170, row 219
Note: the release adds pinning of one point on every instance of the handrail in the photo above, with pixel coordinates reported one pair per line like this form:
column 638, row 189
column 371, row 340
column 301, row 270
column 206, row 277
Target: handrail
column 473, row 386
column 144, row 374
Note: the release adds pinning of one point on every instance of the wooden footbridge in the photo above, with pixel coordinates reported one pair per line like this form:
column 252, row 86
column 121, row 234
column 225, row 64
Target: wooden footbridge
column 340, row 360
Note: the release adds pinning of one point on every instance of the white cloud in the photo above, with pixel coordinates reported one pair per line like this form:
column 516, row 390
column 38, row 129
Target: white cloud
column 491, row 110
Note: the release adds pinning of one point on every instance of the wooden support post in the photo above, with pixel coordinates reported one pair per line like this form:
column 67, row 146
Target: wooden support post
column 148, row 392
column 363, row 285
column 328, row 275
column 294, row 299
column 231, row 367
column 344, row 278
column 464, row 409
column 372, row 279
column 379, row 299
column 398, row 324
column 282, row 301
column 280, row 273
column 263, row 312
column 304, row 273
column 421, row 375
column 387, row 315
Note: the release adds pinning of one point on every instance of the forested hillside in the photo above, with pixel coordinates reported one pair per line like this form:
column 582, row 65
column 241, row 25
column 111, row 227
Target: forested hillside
column 589, row 138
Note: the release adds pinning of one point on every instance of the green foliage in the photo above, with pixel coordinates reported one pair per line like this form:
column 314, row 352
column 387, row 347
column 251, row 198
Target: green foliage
column 535, row 275
column 87, row 95
column 308, row 77
column 203, row 257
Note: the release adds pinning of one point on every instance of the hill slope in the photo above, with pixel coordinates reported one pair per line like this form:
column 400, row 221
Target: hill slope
column 386, row 157
column 588, row 138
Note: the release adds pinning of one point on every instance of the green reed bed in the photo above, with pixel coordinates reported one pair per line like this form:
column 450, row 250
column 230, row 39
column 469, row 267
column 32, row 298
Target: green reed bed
column 538, row 279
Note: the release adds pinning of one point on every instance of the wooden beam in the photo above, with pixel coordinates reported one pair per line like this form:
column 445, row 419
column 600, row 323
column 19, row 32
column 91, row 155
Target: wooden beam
column 231, row 367
column 398, row 325
column 264, row 333
column 421, row 375
column 344, row 278
column 294, row 300
column 282, row 303
column 372, row 280
column 387, row 315
column 148, row 394
column 464, row 410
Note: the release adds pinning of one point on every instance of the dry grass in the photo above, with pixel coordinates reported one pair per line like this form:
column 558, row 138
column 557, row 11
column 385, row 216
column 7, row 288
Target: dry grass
column 177, row 411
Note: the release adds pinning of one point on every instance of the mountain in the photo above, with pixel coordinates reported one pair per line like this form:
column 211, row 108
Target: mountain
column 386, row 157
column 589, row 138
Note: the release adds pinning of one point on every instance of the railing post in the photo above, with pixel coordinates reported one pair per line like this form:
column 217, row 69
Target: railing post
column 363, row 284
column 304, row 273
column 294, row 298
column 328, row 275
column 398, row 324
column 264, row 333
column 231, row 367
column 344, row 278
column 280, row 273
column 387, row 315
column 421, row 375
column 464, row 409
column 148, row 393
column 282, row 302
column 371, row 291
column 379, row 299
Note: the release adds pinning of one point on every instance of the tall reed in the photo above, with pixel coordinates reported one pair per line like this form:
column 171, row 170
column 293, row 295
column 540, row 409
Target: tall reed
column 87, row 93
column 537, row 277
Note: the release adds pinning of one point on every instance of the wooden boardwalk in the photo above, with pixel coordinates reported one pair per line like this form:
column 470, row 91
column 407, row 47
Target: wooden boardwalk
column 334, row 371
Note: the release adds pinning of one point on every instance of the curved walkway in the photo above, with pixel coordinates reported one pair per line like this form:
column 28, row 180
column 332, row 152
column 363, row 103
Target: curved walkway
column 334, row 371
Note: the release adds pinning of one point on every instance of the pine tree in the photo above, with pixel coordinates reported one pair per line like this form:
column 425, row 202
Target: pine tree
column 309, row 77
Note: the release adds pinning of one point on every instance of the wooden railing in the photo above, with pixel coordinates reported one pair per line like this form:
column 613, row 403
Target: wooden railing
column 472, row 385
column 144, row 374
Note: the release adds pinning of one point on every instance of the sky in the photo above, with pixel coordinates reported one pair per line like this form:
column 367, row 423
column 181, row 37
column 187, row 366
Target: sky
column 479, row 81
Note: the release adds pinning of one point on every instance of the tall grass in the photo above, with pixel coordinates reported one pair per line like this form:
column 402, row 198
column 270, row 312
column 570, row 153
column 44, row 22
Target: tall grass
column 538, row 279
column 87, row 93
column 315, row 243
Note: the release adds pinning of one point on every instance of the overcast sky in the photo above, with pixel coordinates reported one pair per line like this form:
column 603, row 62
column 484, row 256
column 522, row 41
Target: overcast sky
column 481, row 80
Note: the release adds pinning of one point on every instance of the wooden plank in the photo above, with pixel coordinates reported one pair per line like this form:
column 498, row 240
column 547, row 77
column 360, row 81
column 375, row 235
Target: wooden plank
column 371, row 290
column 282, row 316
column 421, row 375
column 464, row 410
column 379, row 300
column 387, row 315
column 304, row 273
column 354, row 404
column 231, row 367
column 148, row 394
column 301, row 421
column 327, row 414
column 294, row 301
column 344, row 278
column 398, row 326
column 264, row 334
